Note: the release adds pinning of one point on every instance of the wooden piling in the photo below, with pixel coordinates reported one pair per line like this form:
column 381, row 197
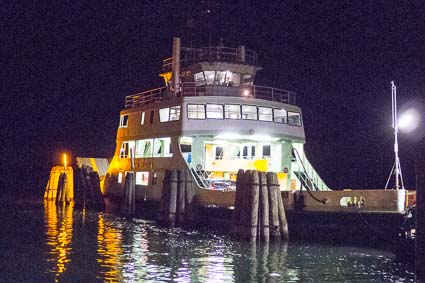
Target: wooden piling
column 128, row 202
column 238, row 202
column 420, row 220
column 254, row 194
column 60, row 189
column 244, row 219
column 97, row 193
column 79, row 189
column 189, row 215
column 264, row 208
column 173, row 199
column 273, row 207
column 181, row 196
column 165, row 199
column 283, row 223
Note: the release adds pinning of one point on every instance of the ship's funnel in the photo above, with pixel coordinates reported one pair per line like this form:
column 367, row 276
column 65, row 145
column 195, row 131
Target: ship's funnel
column 176, row 66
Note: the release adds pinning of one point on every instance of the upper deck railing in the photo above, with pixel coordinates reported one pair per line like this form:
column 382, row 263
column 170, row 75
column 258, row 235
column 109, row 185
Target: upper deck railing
column 213, row 54
column 189, row 89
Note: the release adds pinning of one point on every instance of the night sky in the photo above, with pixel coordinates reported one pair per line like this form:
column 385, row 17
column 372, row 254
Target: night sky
column 67, row 66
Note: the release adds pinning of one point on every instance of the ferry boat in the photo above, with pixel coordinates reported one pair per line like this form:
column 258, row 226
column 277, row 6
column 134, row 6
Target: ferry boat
column 212, row 119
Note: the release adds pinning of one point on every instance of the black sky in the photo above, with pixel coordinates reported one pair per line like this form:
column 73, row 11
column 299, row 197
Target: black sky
column 67, row 66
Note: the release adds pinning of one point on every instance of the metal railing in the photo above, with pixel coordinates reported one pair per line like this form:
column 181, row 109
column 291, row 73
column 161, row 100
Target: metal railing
column 213, row 54
column 304, row 169
column 191, row 89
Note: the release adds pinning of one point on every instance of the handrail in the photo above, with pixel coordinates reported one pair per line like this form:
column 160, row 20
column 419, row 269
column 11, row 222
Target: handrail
column 191, row 89
column 324, row 201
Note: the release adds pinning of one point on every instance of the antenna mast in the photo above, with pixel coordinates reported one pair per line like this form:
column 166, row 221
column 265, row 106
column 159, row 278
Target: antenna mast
column 396, row 170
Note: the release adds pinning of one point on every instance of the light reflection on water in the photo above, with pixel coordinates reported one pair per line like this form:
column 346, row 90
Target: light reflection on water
column 99, row 247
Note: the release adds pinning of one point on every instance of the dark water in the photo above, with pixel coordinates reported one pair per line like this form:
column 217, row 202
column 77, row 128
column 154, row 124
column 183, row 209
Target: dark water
column 40, row 243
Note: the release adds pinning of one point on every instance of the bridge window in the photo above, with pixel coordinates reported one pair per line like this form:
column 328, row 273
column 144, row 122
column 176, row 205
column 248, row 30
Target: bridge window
column 196, row 111
column 280, row 116
column 265, row 114
column 169, row 114
column 123, row 121
column 199, row 79
column 209, row 77
column 142, row 178
column 175, row 113
column 232, row 111
column 294, row 118
column 249, row 112
column 215, row 111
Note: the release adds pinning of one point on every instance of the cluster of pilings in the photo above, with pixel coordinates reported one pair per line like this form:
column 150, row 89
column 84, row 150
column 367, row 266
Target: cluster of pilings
column 176, row 206
column 87, row 191
column 59, row 188
column 259, row 211
column 420, row 220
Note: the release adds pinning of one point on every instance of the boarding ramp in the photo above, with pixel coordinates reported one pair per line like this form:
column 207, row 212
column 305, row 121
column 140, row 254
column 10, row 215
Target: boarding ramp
column 305, row 172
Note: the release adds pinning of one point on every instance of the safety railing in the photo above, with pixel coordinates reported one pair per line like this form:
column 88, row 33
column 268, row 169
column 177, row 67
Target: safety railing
column 191, row 89
column 305, row 171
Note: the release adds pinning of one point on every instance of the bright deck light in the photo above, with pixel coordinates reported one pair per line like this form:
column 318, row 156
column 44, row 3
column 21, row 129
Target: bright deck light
column 245, row 92
column 409, row 120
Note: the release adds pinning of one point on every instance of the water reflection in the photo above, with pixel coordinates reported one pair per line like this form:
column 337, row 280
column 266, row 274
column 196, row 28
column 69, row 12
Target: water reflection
column 100, row 247
column 58, row 223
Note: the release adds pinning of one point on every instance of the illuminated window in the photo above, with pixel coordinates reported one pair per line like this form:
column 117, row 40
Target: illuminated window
column 265, row 114
column 199, row 79
column 248, row 152
column 209, row 77
column 164, row 114
column 215, row 111
column 125, row 149
column 232, row 79
column 142, row 178
column 220, row 77
column 123, row 121
column 169, row 114
column 249, row 112
column 142, row 119
column 294, row 118
column 280, row 116
column 160, row 147
column 175, row 113
column 119, row 178
column 196, row 111
column 144, row 148
column 232, row 111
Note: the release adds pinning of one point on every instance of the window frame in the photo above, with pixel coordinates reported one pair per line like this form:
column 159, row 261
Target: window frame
column 222, row 111
column 124, row 121
column 242, row 113
column 265, row 107
column 197, row 112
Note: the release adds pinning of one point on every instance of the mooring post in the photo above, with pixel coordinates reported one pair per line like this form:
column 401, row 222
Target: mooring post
column 420, row 220
column 128, row 206
column 273, row 207
column 264, row 208
column 238, row 202
column 254, row 203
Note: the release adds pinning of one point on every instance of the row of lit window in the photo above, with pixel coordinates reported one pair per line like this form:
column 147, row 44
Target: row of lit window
column 243, row 112
column 226, row 111
column 159, row 147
